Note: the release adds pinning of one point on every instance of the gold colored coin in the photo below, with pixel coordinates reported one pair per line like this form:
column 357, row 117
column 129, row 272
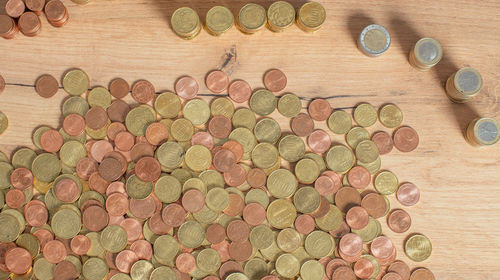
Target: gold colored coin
column 331, row 221
column 391, row 116
column 191, row 234
column 222, row 106
column 365, row 115
column 38, row 134
column 5, row 170
column 139, row 118
column 99, row 96
column 168, row 105
column 386, row 183
column 281, row 213
column 307, row 171
column 318, row 160
column 198, row 158
column 165, row 247
column 163, row 273
column 251, row 18
column 219, row 19
column 370, row 231
column 182, row 129
column 244, row 117
column 3, row 157
column 291, row 148
column 267, row 130
column 418, row 247
column 141, row 270
column 245, row 137
column 287, row 265
column 217, row 199
column 264, row 155
column 120, row 276
column 258, row 196
column 76, row 82
column 339, row 159
column 367, row 151
column 280, row 16
column 113, row 238
column 237, row 276
column 4, row 122
column 339, row 122
column 312, row 270
column 186, row 23
column 373, row 167
column 307, row 200
column 138, row 189
column 94, row 268
column 212, row 179
column 319, row 244
column 43, row 270
column 170, row 155
column 208, row 260
column 261, row 237
column 289, row 105
column 66, row 223
column 356, row 135
column 46, row 167
column 75, row 105
column 282, row 183
column 206, row 216
column 197, row 111
column 311, row 16
column 263, row 102
column 288, row 240
column 168, row 189
column 256, row 268
column 11, row 229
column 71, row 152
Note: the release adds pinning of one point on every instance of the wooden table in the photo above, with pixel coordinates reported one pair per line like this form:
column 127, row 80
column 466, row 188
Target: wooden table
column 459, row 208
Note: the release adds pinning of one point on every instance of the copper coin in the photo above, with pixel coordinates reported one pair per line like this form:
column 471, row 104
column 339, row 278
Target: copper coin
column 383, row 141
column 193, row 200
column 29, row 24
column 363, row 268
column 217, row 81
column 14, row 8
column 113, row 130
column 142, row 249
column 100, row 149
column 80, row 245
column 337, row 182
column 187, row 87
column 236, row 205
column 351, row 244
column 400, row 268
column 36, row 214
column 21, row 178
column 408, row 194
column 319, row 109
column 343, row 273
column 239, row 91
column 224, row 160
column 357, row 217
column 95, row 218
column 142, row 208
column 381, row 247
column 97, row 183
column 203, row 138
column 275, row 80
column 124, row 141
column 148, row 169
column 405, row 139
column 349, row 259
column 422, row 274
column 74, row 124
column 174, row 215
column 219, row 126
column 254, row 214
column 88, row 203
column 54, row 251
column 332, row 265
column 140, row 150
column 319, row 141
column 223, row 249
column 392, row 276
column 341, row 231
column 374, row 204
column 359, row 177
column 117, row 204
column 4, row 247
column 399, row 221
column 96, row 118
column 157, row 225
column 215, row 233
column 390, row 259
column 65, row 270
column 324, row 185
column 302, row 125
column 324, row 208
column 133, row 228
column 43, row 236
column 228, row 268
column 56, row 13
column 118, row 110
column 235, row 147
column 35, row 5
column 346, row 198
column 240, row 251
column 46, row 85
column 18, row 260
column 2, row 80
column 156, row 133
column 15, row 198
column 143, row 91
column 119, row 88
column 256, row 178
column 185, row 262
column 51, row 141
column 116, row 187
column 125, row 259
column 304, row 224
column 235, row 176
column 66, row 190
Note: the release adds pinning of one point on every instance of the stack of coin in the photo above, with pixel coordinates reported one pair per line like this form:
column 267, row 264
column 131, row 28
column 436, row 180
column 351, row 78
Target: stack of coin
column 426, row 54
column 250, row 19
column 175, row 187
column 374, row 40
column 28, row 12
column 463, row 85
column 482, row 132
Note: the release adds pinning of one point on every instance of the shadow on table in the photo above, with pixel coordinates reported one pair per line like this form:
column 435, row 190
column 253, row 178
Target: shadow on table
column 168, row 7
column 355, row 24
column 406, row 36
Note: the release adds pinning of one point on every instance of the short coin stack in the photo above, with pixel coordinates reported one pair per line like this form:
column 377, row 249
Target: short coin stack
column 28, row 15
column 173, row 187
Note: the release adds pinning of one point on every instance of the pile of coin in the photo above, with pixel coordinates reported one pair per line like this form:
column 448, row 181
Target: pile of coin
column 251, row 18
column 173, row 187
column 24, row 16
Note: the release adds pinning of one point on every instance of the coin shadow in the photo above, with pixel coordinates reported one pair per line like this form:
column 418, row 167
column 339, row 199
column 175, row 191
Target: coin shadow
column 464, row 114
column 355, row 24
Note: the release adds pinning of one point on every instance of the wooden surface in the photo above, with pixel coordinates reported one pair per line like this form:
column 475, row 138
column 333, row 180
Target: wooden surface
column 459, row 208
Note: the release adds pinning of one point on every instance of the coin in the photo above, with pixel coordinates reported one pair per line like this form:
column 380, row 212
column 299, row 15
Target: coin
column 186, row 23
column 426, row 53
column 464, row 84
column 418, row 247
column 46, row 86
column 390, row 116
column 280, row 15
column 374, row 40
column 251, row 18
column 76, row 82
column 311, row 16
column 482, row 132
column 218, row 20
column 406, row 139
column 4, row 122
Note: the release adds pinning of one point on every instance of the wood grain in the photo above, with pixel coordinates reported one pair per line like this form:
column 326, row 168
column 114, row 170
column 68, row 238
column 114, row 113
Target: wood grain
column 459, row 208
